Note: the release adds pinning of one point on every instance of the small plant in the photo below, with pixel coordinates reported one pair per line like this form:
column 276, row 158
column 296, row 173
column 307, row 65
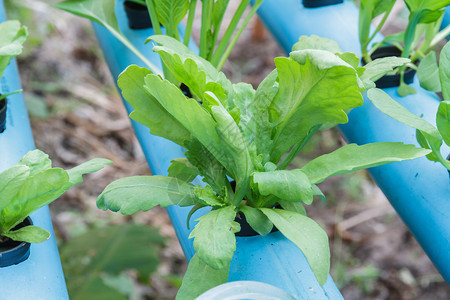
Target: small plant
column 12, row 38
column 31, row 184
column 169, row 13
column 232, row 131
column 420, row 36
column 427, row 135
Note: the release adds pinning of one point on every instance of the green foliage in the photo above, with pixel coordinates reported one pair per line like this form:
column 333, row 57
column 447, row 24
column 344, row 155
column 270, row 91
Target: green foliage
column 169, row 13
column 11, row 43
column 415, row 42
column 239, row 133
column 31, row 184
column 94, row 263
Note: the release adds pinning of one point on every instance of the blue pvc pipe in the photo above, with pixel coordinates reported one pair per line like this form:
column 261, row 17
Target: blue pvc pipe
column 271, row 259
column 41, row 275
column 419, row 190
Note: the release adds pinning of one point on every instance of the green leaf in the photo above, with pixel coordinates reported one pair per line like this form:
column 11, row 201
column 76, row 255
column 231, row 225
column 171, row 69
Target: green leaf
column 207, row 197
column 350, row 58
column 29, row 234
column 212, row 171
column 416, row 5
column 94, row 165
column 199, row 278
column 307, row 235
column 392, row 108
column 377, row 7
column 195, row 72
column 11, row 42
column 171, row 12
column 36, row 160
column 377, row 68
column 353, row 157
column 290, row 185
column 428, row 73
column 315, row 87
column 182, row 169
column 37, row 191
column 100, row 11
column 11, row 181
column 147, row 109
column 109, row 250
column 131, row 194
column 423, row 142
column 318, row 43
column 255, row 122
column 443, row 121
column 215, row 241
column 169, row 48
column 237, row 158
column 296, row 207
column 257, row 220
column 444, row 71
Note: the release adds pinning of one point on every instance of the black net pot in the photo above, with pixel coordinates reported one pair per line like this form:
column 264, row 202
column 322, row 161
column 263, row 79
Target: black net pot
column 137, row 15
column 388, row 81
column 320, row 3
column 3, row 105
column 246, row 229
column 13, row 252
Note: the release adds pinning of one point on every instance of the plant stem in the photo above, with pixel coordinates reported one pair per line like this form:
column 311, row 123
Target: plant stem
column 153, row 16
column 227, row 52
column 190, row 21
column 133, row 49
column 206, row 24
column 409, row 34
column 229, row 32
column 297, row 148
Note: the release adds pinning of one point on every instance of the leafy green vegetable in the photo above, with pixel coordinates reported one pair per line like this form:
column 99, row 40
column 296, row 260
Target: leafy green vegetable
column 11, row 42
column 232, row 132
column 31, row 184
column 415, row 42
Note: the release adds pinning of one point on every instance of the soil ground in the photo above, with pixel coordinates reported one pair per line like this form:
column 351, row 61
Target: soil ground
column 77, row 115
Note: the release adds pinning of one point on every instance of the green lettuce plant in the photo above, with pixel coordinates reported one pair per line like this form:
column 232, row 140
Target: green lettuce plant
column 12, row 38
column 169, row 14
column 427, row 135
column 31, row 184
column 415, row 42
column 232, row 131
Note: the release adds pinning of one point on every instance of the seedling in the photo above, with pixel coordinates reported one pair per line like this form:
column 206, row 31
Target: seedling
column 31, row 184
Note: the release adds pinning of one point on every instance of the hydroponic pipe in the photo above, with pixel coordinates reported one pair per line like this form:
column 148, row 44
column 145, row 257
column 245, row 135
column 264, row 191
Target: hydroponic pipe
column 41, row 275
column 419, row 190
column 271, row 259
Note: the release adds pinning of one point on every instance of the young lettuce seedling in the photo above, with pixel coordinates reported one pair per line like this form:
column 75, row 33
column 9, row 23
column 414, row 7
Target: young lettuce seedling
column 12, row 38
column 31, row 184
column 427, row 135
column 420, row 36
column 233, row 131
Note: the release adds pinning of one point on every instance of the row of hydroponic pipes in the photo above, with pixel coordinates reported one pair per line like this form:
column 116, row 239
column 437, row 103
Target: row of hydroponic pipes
column 275, row 269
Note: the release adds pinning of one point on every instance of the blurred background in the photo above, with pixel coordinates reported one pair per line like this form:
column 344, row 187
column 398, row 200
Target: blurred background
column 77, row 114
